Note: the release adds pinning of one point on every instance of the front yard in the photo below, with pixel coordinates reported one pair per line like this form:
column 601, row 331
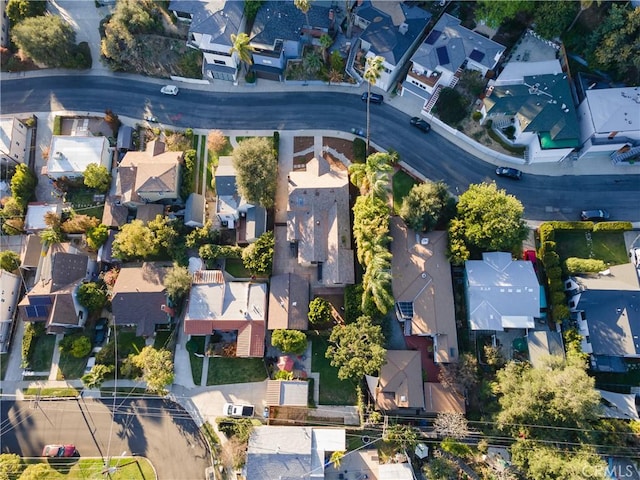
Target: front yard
column 225, row 370
column 40, row 360
column 402, row 183
column 70, row 367
column 606, row 246
column 333, row 391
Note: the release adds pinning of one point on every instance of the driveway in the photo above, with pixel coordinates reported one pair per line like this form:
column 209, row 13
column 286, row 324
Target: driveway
column 85, row 19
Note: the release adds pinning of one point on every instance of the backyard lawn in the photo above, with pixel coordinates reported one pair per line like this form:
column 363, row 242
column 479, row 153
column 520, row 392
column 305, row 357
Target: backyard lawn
column 82, row 201
column 333, row 391
column 402, row 183
column 225, row 370
column 235, row 268
column 42, row 353
column 606, row 246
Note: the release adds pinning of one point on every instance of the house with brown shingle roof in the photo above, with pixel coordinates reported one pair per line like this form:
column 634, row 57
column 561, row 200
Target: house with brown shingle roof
column 52, row 299
column 318, row 222
column 149, row 176
column 399, row 385
column 288, row 302
column 422, row 288
column 217, row 304
column 140, row 298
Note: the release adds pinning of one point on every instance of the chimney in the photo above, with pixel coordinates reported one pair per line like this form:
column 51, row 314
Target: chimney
column 403, row 28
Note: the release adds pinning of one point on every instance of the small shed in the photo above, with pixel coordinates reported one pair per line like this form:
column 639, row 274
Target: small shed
column 124, row 141
column 194, row 211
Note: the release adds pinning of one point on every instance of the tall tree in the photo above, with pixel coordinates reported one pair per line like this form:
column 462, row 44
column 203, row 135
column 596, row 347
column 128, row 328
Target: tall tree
column 18, row 10
column 242, row 48
column 134, row 240
column 372, row 72
column 357, row 349
column 553, row 18
column 92, row 296
column 495, row 13
column 304, row 6
column 376, row 282
column 427, row 205
column 489, row 220
column 46, row 39
column 618, row 48
column 256, row 165
column 258, row 257
column 177, row 282
column 372, row 177
column 23, row 185
column 156, row 367
column 9, row 260
column 98, row 177
column 559, row 395
column 325, row 42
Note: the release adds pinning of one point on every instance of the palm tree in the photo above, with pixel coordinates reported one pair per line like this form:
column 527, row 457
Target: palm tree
column 336, row 458
column 335, row 76
column 304, row 6
column 376, row 284
column 372, row 177
column 325, row 42
column 242, row 48
column 312, row 63
column 372, row 73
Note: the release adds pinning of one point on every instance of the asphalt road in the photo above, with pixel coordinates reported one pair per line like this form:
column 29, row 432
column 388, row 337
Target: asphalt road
column 159, row 430
column 544, row 197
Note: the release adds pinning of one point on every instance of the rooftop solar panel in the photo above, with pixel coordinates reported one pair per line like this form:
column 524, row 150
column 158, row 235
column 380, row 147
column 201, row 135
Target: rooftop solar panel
column 433, row 36
column 476, row 55
column 443, row 55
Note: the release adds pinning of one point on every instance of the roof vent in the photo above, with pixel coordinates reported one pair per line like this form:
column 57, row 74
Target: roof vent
column 423, row 275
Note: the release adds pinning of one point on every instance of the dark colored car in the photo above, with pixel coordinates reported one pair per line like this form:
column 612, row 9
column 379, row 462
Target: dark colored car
column 59, row 451
column 509, row 172
column 594, row 215
column 375, row 98
column 420, row 124
column 100, row 332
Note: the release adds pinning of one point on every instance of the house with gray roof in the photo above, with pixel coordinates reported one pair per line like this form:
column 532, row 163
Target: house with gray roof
column 536, row 101
column 288, row 453
column 194, row 211
column 232, row 210
column 501, row 293
column 140, row 297
column 211, row 24
column 605, row 310
column 392, row 30
column 448, row 49
column 318, row 224
column 610, row 125
column 280, row 31
column 53, row 297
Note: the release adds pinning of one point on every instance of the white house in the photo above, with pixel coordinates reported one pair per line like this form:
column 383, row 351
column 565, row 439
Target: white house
column 501, row 292
column 212, row 22
column 448, row 49
column 610, row 125
column 69, row 155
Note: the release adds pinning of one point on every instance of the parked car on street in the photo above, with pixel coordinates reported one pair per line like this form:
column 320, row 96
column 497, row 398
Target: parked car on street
column 169, row 90
column 59, row 451
column 594, row 215
column 231, row 410
column 509, row 172
column 375, row 98
column 420, row 124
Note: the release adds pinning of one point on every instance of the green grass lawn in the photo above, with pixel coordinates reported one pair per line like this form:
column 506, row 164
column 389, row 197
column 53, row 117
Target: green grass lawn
column 128, row 342
column 223, row 370
column 196, row 362
column 70, row 367
column 333, row 391
column 606, row 246
column 82, row 201
column 51, row 392
column 42, row 353
column 235, row 267
column 401, row 183
column 164, row 339
column 128, row 468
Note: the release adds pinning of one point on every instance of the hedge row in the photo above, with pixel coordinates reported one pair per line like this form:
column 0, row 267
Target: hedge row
column 32, row 331
column 612, row 227
column 584, row 265
column 551, row 261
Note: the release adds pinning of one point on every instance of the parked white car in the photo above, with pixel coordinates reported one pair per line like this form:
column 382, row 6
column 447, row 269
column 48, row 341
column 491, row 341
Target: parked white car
column 169, row 90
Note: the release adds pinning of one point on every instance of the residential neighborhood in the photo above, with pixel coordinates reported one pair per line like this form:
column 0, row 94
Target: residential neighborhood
column 225, row 251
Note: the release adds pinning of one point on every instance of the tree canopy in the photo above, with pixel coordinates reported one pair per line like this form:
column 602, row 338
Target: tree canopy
column 9, row 260
column 452, row 106
column 357, row 349
column 495, row 13
column 10, row 466
column 427, row 205
column 46, row 39
column 97, row 236
column 487, row 219
column 553, row 18
column 92, row 296
column 258, row 257
column 23, row 185
column 98, row 177
column 177, row 282
column 256, row 165
column 137, row 240
column 289, row 341
column 319, row 311
column 18, row 10
column 156, row 367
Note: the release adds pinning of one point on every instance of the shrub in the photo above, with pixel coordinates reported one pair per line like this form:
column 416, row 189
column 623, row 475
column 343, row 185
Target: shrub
column 289, row 341
column 32, row 331
column 283, row 375
column 612, row 227
column 319, row 311
column 546, row 247
column 359, row 150
column 546, row 232
column 585, row 226
column 107, row 356
column 556, row 285
column 235, row 427
column 560, row 313
column 554, row 273
column 80, row 347
column 476, row 116
column 276, row 142
column 584, row 265
column 551, row 259
column 558, row 297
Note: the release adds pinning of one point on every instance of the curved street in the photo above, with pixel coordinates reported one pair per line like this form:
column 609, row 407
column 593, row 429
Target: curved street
column 544, row 197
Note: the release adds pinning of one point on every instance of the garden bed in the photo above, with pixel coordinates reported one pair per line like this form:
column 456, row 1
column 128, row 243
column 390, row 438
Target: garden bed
column 300, row 154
